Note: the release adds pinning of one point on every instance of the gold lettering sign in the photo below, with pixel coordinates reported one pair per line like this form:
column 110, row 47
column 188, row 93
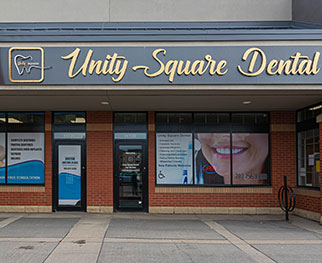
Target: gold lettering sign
column 255, row 62
column 297, row 64
column 112, row 65
column 187, row 67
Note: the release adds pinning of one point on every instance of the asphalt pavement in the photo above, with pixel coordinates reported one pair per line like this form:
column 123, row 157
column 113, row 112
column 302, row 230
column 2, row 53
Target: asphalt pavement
column 139, row 237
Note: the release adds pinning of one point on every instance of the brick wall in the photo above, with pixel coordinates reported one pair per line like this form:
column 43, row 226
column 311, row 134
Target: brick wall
column 99, row 158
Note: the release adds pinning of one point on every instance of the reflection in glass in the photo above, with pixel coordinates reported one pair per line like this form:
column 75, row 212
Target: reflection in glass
column 69, row 117
column 130, row 176
column 130, row 117
column 19, row 118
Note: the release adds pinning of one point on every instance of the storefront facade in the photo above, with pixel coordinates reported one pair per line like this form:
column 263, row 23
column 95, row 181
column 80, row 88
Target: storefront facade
column 177, row 119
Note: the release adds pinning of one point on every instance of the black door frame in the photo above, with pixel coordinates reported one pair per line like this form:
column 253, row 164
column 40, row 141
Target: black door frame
column 116, row 182
column 55, row 206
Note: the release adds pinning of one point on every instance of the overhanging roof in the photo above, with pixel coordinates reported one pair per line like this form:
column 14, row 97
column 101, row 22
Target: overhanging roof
column 158, row 31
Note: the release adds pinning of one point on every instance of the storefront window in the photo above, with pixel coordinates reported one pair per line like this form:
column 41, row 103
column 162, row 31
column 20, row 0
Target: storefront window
column 308, row 158
column 22, row 141
column 228, row 148
column 308, row 147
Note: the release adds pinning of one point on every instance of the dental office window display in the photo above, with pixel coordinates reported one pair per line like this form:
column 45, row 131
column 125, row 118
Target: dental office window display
column 247, row 154
column 174, row 158
column 250, row 158
column 26, row 158
column 212, row 158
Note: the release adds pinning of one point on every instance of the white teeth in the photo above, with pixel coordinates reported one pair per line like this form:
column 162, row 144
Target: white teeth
column 223, row 150
column 237, row 150
column 227, row 151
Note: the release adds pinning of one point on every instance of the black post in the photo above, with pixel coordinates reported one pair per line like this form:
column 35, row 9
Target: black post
column 286, row 198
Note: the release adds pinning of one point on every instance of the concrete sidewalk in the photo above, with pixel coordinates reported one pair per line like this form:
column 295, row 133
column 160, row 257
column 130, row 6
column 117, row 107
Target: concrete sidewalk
column 139, row 237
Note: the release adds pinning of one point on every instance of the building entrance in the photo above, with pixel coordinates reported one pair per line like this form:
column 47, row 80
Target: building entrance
column 69, row 163
column 130, row 176
column 69, row 175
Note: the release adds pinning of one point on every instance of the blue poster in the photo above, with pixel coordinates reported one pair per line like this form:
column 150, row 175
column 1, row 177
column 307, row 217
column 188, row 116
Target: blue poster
column 26, row 158
column 69, row 175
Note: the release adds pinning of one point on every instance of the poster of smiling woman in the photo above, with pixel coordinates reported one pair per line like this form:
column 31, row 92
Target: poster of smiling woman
column 246, row 154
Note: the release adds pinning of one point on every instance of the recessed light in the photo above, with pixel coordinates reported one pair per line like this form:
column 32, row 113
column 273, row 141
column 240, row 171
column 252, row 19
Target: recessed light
column 105, row 103
column 246, row 102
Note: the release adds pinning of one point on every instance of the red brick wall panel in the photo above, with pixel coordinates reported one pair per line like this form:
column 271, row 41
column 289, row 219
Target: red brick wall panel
column 99, row 160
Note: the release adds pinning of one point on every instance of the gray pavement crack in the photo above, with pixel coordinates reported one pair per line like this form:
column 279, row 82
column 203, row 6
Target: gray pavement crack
column 52, row 251
column 183, row 252
column 238, row 242
column 100, row 251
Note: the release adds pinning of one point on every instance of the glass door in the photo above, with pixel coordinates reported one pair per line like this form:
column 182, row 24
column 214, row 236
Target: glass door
column 130, row 176
column 70, row 176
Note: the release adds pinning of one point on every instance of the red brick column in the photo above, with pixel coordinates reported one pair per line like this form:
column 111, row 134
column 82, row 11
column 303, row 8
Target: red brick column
column 283, row 149
column 151, row 156
column 99, row 141
column 48, row 159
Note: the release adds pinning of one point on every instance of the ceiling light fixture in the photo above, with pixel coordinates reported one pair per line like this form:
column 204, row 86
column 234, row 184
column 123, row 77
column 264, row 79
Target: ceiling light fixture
column 247, row 102
column 105, row 103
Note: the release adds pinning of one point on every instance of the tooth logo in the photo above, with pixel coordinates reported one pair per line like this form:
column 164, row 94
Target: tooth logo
column 26, row 64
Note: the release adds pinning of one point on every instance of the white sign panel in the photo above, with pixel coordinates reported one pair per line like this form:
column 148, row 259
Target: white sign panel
column 174, row 158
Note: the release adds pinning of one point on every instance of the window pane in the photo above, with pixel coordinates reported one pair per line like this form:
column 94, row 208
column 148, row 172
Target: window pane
column 69, row 117
column 211, row 118
column 250, row 158
column 130, row 118
column 26, row 158
column 250, row 118
column 174, row 158
column 26, row 118
column 174, row 118
column 212, row 158
column 308, row 158
column 309, row 113
column 2, row 118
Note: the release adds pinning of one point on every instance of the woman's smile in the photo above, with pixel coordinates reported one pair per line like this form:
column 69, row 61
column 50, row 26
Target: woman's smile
column 224, row 151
